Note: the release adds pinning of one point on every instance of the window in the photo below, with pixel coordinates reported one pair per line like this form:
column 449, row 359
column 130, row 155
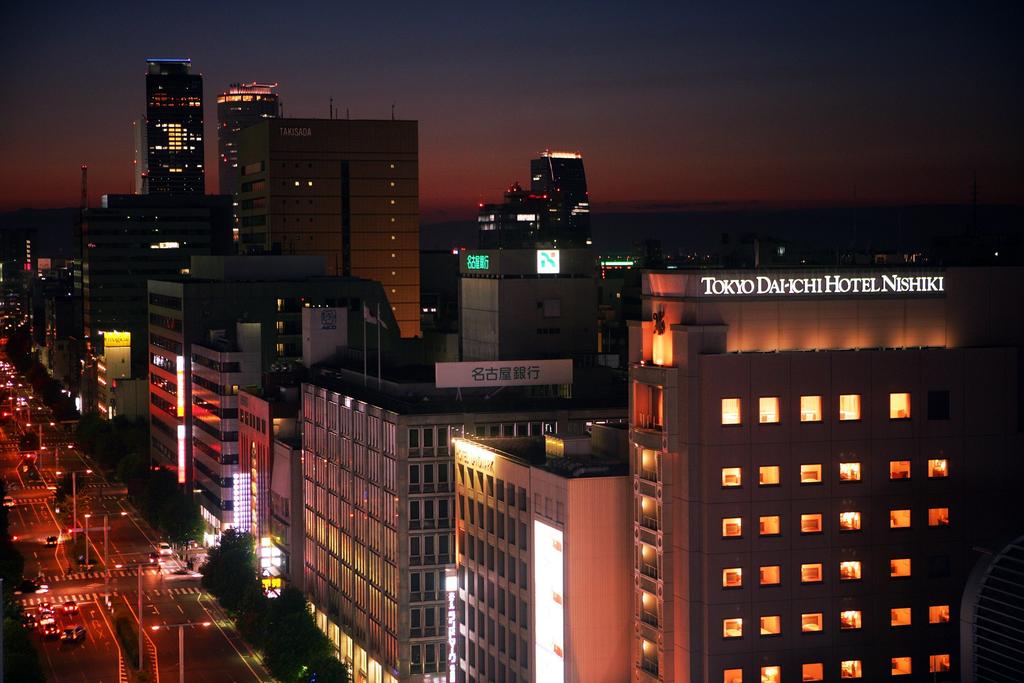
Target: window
column 938, row 566
column 732, row 527
column 732, row 577
column 899, row 568
column 732, row 676
column 899, row 469
column 849, row 407
column 850, row 619
column 732, row 628
column 810, row 524
column 732, row 476
column 938, row 404
column 899, row 406
column 901, row 666
column 810, row 474
column 771, row 674
column 899, row 616
column 814, row 671
column 849, row 521
column 810, row 573
column 770, row 525
column 849, row 571
column 938, row 663
column 849, row 471
column 938, row 614
column 899, row 519
column 771, row 625
column 810, row 408
column 730, row 411
column 768, row 409
column 768, row 475
column 771, row 575
column 812, row 622
column 938, row 469
column 850, row 668
column 938, row 516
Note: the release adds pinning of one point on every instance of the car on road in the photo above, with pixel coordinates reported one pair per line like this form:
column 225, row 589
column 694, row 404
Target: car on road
column 50, row 630
column 165, row 548
column 75, row 634
column 154, row 557
column 52, row 541
column 8, row 502
column 70, row 607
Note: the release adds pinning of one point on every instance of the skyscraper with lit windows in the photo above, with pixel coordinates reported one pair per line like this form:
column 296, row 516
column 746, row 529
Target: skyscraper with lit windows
column 170, row 155
column 242, row 105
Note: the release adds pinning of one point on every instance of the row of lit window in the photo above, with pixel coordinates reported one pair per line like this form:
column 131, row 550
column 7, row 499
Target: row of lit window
column 849, row 620
column 848, row 669
column 811, row 523
column 770, row 412
column 811, row 572
column 770, row 475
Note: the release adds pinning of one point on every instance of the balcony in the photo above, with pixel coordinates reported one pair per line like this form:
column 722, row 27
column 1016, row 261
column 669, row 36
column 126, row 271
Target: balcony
column 649, row 522
column 650, row 570
column 648, row 421
column 650, row 475
column 649, row 665
column 649, row 618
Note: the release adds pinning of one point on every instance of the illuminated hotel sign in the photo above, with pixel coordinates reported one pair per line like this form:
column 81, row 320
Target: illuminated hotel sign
column 549, row 603
column 179, row 366
column 814, row 285
column 511, row 373
column 548, row 262
column 451, row 588
column 478, row 262
column 116, row 340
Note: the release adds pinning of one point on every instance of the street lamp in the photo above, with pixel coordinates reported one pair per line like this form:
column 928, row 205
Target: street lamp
column 181, row 641
column 87, row 516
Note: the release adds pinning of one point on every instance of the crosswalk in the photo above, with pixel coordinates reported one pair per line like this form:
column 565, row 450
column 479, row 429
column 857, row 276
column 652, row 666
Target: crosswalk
column 98, row 595
column 80, row 576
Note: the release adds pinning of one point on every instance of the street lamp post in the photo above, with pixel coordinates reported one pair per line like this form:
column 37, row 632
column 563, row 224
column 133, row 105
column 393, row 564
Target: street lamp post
column 181, row 641
column 87, row 516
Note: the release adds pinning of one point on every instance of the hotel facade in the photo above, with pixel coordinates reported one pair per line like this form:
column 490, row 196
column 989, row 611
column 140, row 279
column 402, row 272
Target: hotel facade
column 819, row 458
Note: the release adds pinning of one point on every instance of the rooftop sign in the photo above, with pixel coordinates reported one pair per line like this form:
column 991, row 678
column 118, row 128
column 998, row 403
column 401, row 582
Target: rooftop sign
column 478, row 262
column 503, row 373
column 817, row 285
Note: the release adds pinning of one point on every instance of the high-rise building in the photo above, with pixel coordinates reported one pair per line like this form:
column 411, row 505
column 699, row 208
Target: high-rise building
column 242, row 105
column 170, row 153
column 344, row 189
column 817, row 457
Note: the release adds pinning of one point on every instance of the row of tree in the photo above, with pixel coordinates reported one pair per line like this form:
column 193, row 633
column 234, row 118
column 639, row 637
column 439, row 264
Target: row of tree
column 49, row 390
column 21, row 662
column 294, row 649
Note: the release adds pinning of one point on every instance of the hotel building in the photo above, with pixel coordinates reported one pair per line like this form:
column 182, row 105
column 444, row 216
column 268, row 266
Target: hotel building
column 817, row 457
column 379, row 492
column 544, row 560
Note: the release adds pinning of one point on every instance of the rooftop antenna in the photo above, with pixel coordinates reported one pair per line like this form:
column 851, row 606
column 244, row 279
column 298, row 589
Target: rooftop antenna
column 331, row 109
column 392, row 111
column 84, row 203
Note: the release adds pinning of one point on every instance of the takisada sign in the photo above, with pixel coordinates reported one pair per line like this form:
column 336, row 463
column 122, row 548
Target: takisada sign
column 821, row 285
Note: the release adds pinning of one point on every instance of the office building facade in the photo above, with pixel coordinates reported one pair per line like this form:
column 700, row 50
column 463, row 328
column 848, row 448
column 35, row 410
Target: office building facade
column 346, row 190
column 816, row 455
column 242, row 105
column 171, row 151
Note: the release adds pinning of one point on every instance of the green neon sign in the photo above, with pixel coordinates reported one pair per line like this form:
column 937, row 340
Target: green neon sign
column 478, row 262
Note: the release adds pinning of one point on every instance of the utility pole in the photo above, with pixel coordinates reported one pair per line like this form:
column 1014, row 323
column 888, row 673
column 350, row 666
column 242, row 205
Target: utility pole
column 87, row 517
column 74, row 508
column 106, row 561
column 181, row 655
column 141, row 650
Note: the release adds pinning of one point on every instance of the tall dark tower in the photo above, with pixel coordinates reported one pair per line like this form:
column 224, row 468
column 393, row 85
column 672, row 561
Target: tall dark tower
column 173, row 148
column 243, row 105
column 560, row 176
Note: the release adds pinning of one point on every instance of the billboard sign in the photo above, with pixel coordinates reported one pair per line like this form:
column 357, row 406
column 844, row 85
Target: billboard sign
column 869, row 284
column 503, row 373
column 549, row 603
column 548, row 262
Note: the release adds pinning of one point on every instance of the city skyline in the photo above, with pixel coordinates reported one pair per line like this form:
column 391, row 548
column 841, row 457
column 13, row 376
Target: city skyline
column 786, row 105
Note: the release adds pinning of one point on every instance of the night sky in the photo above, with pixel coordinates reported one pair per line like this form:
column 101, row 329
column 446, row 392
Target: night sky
column 801, row 104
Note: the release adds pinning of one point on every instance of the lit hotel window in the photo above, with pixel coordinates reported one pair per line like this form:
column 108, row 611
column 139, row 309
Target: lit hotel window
column 899, row 616
column 732, row 676
column 899, row 568
column 899, row 519
column 732, row 577
column 732, row 476
column 768, row 475
column 938, row 469
column 938, row 516
column 899, row 406
column 771, row 575
column 938, row 663
column 771, row 625
column 732, row 628
column 849, row 521
column 730, row 411
column 850, row 668
column 938, row 614
column 815, row 671
column 810, row 408
column 849, row 571
column 849, row 407
column 768, row 409
column 850, row 619
column 810, row 524
column 732, row 527
column 770, row 525
column 899, row 469
column 810, row 573
column 812, row 623
column 849, row 471
column 810, row 474
column 901, row 666
column 771, row 674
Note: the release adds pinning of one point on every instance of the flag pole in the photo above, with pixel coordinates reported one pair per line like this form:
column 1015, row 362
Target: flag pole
column 378, row 345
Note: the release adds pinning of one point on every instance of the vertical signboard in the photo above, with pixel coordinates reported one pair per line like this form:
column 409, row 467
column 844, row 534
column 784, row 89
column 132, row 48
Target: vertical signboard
column 451, row 589
column 548, row 603
column 179, row 366
column 181, row 454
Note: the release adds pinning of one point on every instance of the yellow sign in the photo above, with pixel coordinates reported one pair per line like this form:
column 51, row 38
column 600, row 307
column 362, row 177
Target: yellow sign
column 116, row 339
